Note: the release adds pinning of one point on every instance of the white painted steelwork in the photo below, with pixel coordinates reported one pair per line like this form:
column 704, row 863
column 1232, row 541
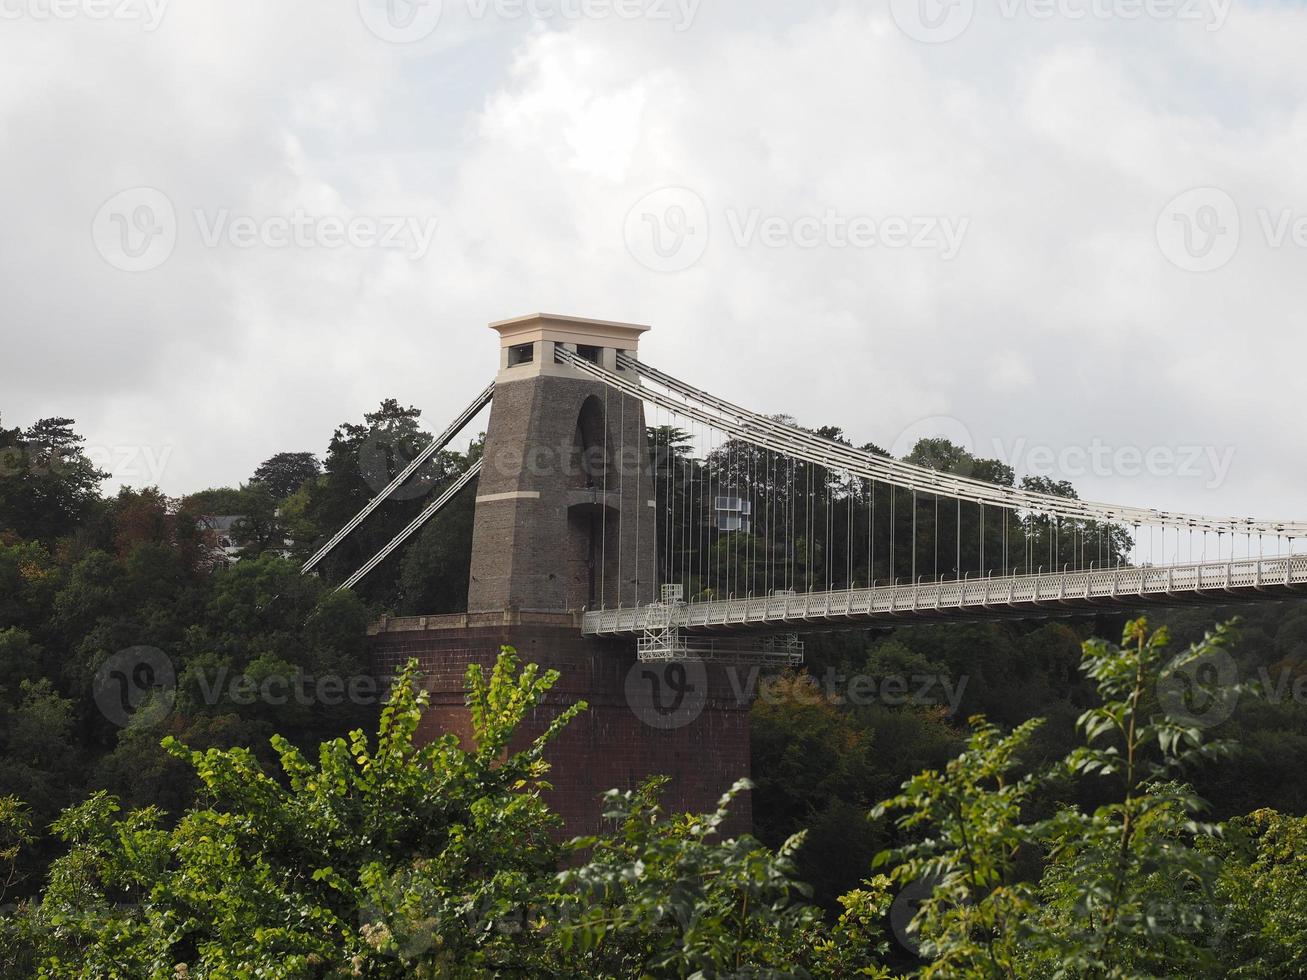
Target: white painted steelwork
column 670, row 644
column 1026, row 596
column 662, row 640
column 767, row 433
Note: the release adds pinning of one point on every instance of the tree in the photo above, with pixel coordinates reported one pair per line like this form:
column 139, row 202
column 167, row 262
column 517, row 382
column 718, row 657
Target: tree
column 665, row 898
column 47, row 484
column 376, row 860
column 969, row 924
column 259, row 528
column 1149, row 905
column 385, row 859
column 215, row 501
column 1262, row 892
column 16, row 944
column 1058, row 541
column 1127, row 889
column 361, row 461
column 281, row 475
column 814, row 763
column 435, row 566
column 15, row 834
column 40, row 761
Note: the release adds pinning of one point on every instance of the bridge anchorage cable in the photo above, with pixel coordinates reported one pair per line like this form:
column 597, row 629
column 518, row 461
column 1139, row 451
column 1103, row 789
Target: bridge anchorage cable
column 431, row 511
column 435, row 446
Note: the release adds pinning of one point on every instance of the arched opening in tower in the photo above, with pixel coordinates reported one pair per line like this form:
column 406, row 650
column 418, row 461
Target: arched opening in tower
column 593, row 525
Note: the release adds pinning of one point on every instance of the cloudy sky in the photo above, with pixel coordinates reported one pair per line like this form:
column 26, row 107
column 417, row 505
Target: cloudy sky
column 1070, row 231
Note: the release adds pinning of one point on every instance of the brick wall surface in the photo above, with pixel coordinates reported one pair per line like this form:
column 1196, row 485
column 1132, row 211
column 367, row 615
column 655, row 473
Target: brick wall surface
column 609, row 746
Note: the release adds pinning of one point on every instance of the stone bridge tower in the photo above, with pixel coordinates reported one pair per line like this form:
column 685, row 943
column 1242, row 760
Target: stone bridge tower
column 564, row 507
column 565, row 520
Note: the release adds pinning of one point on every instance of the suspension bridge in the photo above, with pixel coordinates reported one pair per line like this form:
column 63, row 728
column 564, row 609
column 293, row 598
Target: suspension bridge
column 653, row 509
column 644, row 537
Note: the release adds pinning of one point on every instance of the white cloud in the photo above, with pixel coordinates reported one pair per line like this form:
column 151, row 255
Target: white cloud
column 1059, row 320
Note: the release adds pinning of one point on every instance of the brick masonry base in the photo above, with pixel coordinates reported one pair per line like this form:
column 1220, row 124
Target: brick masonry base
column 703, row 745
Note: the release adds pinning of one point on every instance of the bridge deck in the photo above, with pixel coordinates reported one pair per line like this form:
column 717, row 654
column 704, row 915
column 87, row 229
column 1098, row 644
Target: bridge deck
column 998, row 597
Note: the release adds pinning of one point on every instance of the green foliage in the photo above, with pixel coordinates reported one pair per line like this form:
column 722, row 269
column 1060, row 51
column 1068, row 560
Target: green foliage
column 817, row 768
column 823, row 531
column 666, row 898
column 47, row 485
column 15, row 834
column 385, row 858
column 1069, row 848
column 281, row 475
column 379, row 859
column 971, row 923
column 1126, row 889
column 215, row 500
column 1262, row 892
column 84, row 577
column 361, row 460
column 857, row 944
column 1125, row 880
column 388, row 858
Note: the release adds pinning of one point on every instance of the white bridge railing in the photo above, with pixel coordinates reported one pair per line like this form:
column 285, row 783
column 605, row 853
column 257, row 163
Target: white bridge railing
column 1217, row 581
